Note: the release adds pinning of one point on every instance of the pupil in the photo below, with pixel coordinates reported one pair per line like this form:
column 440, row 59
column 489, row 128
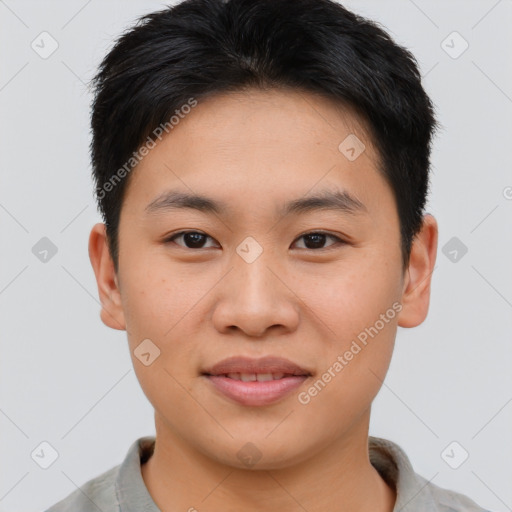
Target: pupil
column 194, row 239
column 318, row 238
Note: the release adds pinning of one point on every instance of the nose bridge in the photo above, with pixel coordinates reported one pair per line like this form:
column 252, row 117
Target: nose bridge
column 251, row 259
column 254, row 298
column 255, row 284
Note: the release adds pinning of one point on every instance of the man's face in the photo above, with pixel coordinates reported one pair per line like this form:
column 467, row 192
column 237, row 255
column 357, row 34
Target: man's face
column 255, row 281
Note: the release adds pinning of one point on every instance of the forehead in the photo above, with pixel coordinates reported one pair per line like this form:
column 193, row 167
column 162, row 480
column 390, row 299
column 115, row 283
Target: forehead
column 266, row 145
column 297, row 112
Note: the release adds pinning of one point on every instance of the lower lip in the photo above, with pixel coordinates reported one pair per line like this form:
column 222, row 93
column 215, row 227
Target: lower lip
column 256, row 393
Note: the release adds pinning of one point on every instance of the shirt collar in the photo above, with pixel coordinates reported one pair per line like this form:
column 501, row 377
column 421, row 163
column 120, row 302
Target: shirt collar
column 413, row 493
column 131, row 491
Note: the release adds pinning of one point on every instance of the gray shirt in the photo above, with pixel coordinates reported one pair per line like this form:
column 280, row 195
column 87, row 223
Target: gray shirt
column 122, row 489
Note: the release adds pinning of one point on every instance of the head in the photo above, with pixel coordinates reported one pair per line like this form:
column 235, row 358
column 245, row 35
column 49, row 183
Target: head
column 295, row 157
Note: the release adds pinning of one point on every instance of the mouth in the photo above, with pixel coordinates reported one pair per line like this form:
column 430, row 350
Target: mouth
column 255, row 377
column 256, row 382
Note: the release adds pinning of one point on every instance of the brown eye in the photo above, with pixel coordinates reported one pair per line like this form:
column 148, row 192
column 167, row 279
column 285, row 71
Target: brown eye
column 191, row 239
column 317, row 239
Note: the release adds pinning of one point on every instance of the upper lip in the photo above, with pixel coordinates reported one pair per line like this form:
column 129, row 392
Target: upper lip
column 270, row 364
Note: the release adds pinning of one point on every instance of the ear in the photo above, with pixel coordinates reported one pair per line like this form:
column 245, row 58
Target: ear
column 112, row 314
column 418, row 276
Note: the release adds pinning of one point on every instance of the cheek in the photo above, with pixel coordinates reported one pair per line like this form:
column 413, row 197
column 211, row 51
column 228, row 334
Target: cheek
column 153, row 298
column 359, row 304
column 351, row 375
column 352, row 295
column 160, row 308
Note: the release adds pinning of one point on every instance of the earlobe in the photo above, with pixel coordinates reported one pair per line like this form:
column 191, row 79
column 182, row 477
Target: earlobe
column 416, row 292
column 112, row 313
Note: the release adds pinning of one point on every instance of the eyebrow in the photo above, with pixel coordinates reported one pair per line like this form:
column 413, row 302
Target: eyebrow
column 326, row 200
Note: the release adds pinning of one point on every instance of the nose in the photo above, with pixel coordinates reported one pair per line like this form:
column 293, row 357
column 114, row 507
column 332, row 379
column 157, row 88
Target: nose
column 255, row 298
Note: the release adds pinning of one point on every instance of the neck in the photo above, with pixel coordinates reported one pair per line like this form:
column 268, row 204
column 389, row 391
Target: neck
column 178, row 477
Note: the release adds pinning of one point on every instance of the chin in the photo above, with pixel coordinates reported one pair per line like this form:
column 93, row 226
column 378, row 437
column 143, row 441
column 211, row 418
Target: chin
column 264, row 454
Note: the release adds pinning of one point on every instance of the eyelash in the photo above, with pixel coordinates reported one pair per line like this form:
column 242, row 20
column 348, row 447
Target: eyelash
column 338, row 240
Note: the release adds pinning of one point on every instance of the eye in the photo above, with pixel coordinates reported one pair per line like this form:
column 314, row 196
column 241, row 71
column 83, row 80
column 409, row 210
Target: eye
column 316, row 239
column 192, row 239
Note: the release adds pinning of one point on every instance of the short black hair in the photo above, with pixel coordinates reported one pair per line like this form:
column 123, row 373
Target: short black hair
column 198, row 48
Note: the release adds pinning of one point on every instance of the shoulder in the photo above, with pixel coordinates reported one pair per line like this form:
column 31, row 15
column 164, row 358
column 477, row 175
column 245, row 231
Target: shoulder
column 96, row 494
column 447, row 500
column 414, row 492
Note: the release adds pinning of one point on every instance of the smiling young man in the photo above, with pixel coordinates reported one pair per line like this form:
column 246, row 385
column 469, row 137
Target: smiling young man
column 262, row 169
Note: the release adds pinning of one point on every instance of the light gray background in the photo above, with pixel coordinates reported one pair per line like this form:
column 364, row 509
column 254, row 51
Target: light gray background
column 68, row 380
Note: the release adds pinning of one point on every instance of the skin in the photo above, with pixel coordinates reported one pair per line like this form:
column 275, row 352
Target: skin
column 256, row 150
